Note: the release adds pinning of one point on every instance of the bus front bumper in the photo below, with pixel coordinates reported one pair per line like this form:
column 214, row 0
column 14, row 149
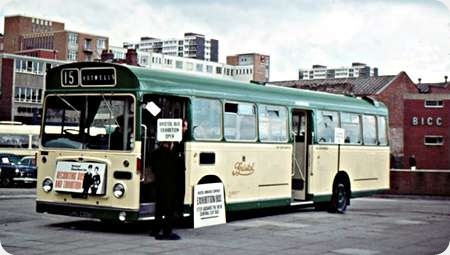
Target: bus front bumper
column 103, row 213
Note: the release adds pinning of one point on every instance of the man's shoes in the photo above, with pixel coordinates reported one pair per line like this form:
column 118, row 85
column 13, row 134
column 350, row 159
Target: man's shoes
column 171, row 236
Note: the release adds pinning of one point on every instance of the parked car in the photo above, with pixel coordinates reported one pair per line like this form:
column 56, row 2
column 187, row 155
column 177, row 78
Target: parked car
column 22, row 172
column 9, row 158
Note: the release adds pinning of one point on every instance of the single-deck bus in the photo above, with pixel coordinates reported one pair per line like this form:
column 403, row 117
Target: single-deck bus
column 268, row 145
column 18, row 138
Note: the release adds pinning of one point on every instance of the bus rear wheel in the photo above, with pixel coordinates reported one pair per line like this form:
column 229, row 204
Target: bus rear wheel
column 339, row 200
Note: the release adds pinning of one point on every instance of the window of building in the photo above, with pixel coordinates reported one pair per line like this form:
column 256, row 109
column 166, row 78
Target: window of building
column 219, row 70
column 434, row 140
column 179, row 64
column 189, row 66
column 143, row 60
column 101, row 43
column 209, row 69
column 72, row 39
column 17, row 93
column 434, row 104
column 35, row 67
column 18, row 65
column 272, row 123
column 327, row 121
column 29, row 66
column 207, row 119
column 40, row 68
column 369, row 130
column 199, row 67
column 350, row 122
column 23, row 65
column 240, row 122
column 72, row 55
column 88, row 44
column 39, row 96
column 382, row 131
column 29, row 95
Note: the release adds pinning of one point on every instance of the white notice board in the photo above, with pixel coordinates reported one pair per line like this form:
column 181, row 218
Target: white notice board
column 169, row 130
column 209, row 205
column 339, row 135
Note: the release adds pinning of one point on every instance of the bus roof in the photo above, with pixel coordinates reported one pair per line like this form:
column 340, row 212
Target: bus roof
column 138, row 80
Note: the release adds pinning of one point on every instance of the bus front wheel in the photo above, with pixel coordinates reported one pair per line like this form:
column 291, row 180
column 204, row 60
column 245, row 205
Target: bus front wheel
column 339, row 199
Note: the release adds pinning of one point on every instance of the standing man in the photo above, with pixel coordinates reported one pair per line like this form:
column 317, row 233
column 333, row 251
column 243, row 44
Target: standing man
column 164, row 167
column 87, row 180
column 95, row 181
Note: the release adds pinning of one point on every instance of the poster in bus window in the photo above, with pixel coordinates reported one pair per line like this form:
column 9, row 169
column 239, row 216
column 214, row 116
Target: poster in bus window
column 80, row 177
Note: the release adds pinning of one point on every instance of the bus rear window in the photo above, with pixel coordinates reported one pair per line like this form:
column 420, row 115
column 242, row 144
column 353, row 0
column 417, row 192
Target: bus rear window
column 89, row 122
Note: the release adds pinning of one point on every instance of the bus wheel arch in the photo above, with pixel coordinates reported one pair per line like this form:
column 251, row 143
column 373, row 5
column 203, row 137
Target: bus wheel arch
column 340, row 197
column 213, row 179
column 209, row 179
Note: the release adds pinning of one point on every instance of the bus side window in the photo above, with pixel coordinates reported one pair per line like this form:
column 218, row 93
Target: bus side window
column 381, row 128
column 327, row 121
column 207, row 119
column 351, row 123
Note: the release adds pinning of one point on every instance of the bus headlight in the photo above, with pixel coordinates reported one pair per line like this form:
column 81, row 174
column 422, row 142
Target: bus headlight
column 118, row 190
column 47, row 185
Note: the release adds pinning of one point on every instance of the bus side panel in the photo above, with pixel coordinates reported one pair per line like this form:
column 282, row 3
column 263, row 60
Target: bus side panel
column 249, row 171
column 322, row 169
column 367, row 167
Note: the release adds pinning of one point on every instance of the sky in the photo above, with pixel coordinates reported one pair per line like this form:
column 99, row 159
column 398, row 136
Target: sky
column 393, row 35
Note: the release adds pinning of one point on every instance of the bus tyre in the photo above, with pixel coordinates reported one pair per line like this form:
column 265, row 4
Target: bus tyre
column 339, row 199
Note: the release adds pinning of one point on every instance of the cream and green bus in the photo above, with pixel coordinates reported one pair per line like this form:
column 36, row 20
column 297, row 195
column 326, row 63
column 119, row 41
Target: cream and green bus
column 268, row 146
column 18, row 138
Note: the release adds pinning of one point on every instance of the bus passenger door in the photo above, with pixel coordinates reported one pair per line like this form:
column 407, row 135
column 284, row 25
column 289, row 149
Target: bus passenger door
column 299, row 160
column 165, row 107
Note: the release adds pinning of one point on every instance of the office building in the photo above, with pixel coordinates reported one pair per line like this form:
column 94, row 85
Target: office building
column 49, row 39
column 22, row 87
column 241, row 72
column 193, row 45
column 322, row 72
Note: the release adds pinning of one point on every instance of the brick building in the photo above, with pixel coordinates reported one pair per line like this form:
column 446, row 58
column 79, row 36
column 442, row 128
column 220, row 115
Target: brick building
column 260, row 63
column 25, row 35
column 427, row 126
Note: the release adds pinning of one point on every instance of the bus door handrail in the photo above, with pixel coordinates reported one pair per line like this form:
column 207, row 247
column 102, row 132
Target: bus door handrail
column 294, row 154
column 144, row 156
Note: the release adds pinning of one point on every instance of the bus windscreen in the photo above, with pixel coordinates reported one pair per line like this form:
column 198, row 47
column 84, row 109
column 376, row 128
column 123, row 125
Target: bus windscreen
column 89, row 122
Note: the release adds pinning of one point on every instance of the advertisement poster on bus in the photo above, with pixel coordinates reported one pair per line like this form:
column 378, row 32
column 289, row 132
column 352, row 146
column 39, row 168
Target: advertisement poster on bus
column 80, row 177
column 209, row 205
